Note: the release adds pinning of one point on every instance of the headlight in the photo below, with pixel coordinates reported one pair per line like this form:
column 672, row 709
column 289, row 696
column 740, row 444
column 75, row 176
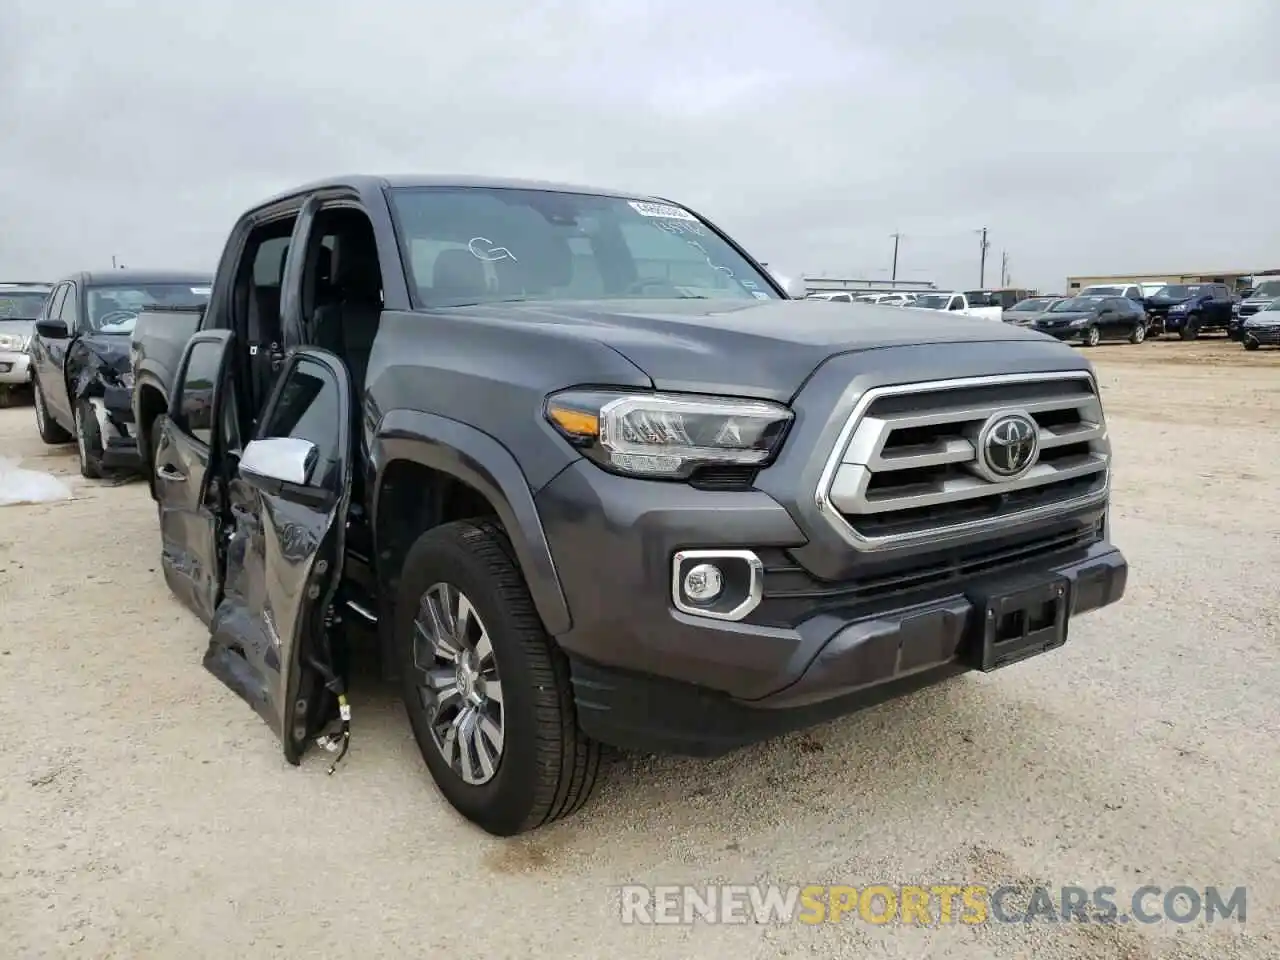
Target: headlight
column 1083, row 321
column 1235, row 308
column 12, row 341
column 1179, row 308
column 667, row 436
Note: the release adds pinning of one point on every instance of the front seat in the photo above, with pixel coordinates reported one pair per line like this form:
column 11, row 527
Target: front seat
column 348, row 324
column 458, row 275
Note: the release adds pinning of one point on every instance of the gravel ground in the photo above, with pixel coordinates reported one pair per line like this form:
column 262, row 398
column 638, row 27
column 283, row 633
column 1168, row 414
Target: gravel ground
column 145, row 812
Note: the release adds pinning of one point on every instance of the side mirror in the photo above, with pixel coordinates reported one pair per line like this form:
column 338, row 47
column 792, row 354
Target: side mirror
column 282, row 466
column 52, row 329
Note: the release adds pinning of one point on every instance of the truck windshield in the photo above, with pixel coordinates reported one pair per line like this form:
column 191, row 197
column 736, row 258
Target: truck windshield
column 1178, row 290
column 933, row 301
column 468, row 245
column 114, row 309
column 20, row 306
column 1076, row 305
column 1268, row 288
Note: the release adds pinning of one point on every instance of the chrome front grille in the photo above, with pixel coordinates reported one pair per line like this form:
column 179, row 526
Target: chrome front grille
column 914, row 463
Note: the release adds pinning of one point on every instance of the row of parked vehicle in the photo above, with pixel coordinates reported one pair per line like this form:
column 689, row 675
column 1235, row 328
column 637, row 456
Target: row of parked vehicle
column 1133, row 312
column 576, row 470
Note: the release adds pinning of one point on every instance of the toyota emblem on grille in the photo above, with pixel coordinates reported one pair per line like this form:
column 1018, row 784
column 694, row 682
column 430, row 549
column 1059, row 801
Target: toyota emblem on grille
column 1008, row 444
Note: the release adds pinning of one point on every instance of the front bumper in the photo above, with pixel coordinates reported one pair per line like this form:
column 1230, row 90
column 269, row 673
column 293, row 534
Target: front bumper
column 1268, row 336
column 15, row 368
column 864, row 661
column 119, row 442
column 647, row 676
column 1062, row 333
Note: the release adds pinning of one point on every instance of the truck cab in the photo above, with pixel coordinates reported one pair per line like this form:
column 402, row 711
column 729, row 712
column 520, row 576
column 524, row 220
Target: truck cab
column 980, row 305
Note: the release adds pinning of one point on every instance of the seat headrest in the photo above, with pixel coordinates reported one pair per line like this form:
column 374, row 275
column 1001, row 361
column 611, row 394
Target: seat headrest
column 355, row 270
column 458, row 274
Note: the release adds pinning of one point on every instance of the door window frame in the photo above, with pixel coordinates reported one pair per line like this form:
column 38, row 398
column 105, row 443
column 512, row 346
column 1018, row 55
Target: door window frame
column 220, row 384
column 331, row 364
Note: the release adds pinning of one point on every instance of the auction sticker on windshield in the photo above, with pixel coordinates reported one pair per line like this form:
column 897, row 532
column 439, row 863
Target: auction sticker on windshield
column 665, row 210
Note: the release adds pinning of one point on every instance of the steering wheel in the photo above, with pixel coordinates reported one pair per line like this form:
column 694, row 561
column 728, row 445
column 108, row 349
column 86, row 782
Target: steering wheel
column 639, row 286
column 106, row 319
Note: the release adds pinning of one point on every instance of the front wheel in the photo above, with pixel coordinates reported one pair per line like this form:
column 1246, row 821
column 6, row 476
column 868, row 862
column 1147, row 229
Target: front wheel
column 49, row 431
column 486, row 690
column 88, row 441
column 1191, row 329
column 1139, row 334
column 1091, row 337
column 1250, row 343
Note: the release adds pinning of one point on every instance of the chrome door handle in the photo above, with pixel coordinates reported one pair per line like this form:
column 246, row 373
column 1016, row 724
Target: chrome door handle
column 166, row 472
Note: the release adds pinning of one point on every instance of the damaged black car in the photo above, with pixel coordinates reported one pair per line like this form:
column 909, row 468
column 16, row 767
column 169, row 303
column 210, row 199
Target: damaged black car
column 80, row 366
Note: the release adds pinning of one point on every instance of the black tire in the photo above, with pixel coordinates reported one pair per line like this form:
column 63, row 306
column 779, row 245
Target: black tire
column 1091, row 337
column 548, row 767
column 1250, row 343
column 153, row 449
column 1139, row 334
column 1191, row 330
column 49, row 431
column 88, row 441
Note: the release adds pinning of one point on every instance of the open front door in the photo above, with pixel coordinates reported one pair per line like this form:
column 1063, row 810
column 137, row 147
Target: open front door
column 288, row 503
column 188, row 483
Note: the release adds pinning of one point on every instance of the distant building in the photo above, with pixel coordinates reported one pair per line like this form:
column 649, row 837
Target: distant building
column 1230, row 277
column 829, row 284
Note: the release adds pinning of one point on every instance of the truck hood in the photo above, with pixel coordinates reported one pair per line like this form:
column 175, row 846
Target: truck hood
column 1168, row 301
column 764, row 348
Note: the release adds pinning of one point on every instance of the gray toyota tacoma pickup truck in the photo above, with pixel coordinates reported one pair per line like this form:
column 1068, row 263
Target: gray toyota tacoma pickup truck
column 587, row 475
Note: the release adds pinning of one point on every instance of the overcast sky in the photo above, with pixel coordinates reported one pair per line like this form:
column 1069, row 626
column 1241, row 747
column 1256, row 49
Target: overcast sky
column 1132, row 135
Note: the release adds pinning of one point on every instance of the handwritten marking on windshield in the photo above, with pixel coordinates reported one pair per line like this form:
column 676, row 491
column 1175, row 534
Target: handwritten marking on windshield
column 482, row 248
column 678, row 228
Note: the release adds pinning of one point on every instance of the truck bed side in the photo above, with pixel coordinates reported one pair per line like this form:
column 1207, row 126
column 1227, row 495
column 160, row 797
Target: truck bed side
column 159, row 337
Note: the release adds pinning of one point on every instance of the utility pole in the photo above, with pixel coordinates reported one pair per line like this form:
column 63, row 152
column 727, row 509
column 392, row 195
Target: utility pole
column 896, row 237
column 113, row 261
column 982, row 264
column 1004, row 268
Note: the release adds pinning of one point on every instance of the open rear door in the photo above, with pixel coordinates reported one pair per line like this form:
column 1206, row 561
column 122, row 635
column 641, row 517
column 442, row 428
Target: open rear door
column 288, row 504
column 186, row 472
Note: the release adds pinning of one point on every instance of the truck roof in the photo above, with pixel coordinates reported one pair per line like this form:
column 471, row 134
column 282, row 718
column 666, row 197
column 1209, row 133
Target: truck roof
column 370, row 182
column 127, row 276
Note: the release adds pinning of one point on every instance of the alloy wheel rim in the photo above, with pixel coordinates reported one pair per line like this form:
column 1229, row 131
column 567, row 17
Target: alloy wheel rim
column 39, row 408
column 458, row 683
column 1093, row 336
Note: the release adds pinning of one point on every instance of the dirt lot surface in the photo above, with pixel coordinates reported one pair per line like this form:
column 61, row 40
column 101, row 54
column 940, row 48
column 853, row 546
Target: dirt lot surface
column 145, row 812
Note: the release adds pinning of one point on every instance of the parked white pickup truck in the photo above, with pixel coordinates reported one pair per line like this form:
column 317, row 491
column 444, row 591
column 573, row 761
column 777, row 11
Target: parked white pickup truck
column 957, row 302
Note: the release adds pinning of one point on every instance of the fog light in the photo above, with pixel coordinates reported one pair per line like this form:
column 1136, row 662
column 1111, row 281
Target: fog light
column 703, row 582
column 719, row 584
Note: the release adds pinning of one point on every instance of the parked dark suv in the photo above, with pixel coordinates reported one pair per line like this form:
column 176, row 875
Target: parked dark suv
column 1190, row 309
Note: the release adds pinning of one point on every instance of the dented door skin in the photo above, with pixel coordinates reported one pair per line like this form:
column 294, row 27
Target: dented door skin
column 187, row 465
column 284, row 554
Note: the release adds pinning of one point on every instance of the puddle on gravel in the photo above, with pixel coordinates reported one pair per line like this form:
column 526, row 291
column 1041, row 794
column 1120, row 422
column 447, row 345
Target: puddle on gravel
column 19, row 486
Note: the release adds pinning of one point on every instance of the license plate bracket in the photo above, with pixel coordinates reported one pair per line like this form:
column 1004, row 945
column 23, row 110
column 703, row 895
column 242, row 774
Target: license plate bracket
column 1021, row 622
